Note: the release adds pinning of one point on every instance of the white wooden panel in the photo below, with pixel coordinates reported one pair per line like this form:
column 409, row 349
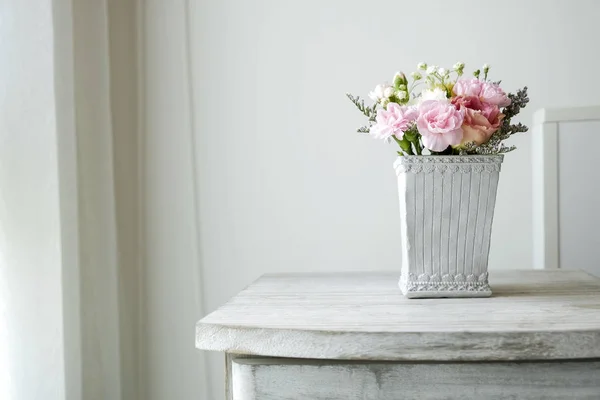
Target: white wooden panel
column 545, row 196
column 579, row 195
column 547, row 115
column 565, row 189
column 272, row 379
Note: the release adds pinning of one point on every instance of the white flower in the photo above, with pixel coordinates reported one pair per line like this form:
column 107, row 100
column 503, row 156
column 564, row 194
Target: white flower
column 432, row 69
column 416, row 76
column 401, row 94
column 422, row 66
column 381, row 92
column 433, row 94
column 486, row 67
column 459, row 65
column 442, row 71
column 388, row 92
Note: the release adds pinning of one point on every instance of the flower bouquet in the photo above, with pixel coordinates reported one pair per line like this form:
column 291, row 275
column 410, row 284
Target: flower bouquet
column 451, row 137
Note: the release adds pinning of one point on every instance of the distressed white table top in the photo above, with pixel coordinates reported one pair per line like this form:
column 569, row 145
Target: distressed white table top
column 532, row 315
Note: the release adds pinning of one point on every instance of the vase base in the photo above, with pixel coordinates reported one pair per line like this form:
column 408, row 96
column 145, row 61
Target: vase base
column 429, row 290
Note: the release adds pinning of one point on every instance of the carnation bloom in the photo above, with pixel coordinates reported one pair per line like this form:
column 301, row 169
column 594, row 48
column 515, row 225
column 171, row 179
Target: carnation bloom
column 481, row 119
column 493, row 94
column 381, row 92
column 394, row 120
column 439, row 123
column 433, row 94
column 487, row 92
column 468, row 87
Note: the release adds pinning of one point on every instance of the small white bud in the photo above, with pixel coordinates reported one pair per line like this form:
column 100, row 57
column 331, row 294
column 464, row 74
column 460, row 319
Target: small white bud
column 459, row 65
column 486, row 67
column 416, row 76
column 442, row 71
column 432, row 69
column 401, row 94
column 422, row 66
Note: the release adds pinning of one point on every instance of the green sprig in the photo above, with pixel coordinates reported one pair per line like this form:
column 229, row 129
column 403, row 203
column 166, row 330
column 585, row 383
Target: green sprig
column 369, row 112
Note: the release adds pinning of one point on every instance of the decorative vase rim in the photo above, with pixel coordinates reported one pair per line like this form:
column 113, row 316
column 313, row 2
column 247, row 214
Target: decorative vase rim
column 453, row 156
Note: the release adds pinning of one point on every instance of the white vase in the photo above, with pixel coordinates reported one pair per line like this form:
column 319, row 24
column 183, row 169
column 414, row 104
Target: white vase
column 446, row 212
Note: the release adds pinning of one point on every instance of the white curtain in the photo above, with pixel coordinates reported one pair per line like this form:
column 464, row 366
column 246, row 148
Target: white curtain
column 172, row 274
column 100, row 272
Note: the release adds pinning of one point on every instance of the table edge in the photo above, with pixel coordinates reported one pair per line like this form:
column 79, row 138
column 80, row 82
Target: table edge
column 404, row 346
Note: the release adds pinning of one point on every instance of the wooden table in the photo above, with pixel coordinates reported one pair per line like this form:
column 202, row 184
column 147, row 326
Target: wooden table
column 354, row 336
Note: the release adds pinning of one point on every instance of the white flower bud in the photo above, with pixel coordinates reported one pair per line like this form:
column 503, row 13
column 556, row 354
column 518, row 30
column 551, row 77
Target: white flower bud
column 459, row 65
column 442, row 71
column 416, row 76
column 399, row 77
column 422, row 66
column 432, row 69
column 388, row 92
column 401, row 94
column 486, row 67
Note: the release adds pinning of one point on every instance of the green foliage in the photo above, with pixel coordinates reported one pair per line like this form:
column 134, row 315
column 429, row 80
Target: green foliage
column 369, row 112
column 404, row 144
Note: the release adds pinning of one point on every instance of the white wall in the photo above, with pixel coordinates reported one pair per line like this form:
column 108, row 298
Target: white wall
column 31, row 323
column 286, row 184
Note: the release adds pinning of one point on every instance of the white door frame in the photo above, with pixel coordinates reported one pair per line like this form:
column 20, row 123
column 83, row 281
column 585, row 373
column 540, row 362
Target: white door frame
column 545, row 155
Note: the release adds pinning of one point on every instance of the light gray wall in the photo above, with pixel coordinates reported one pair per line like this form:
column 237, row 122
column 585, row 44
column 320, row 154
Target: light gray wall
column 286, row 184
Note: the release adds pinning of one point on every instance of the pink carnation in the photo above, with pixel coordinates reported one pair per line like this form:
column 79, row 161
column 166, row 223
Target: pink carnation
column 493, row 94
column 481, row 119
column 487, row 92
column 394, row 120
column 468, row 87
column 439, row 123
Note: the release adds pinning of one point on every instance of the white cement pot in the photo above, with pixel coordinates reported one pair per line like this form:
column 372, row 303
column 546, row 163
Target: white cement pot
column 446, row 212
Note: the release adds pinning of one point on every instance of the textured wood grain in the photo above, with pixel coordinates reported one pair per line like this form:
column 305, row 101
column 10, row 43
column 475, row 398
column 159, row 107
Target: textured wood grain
column 533, row 315
column 294, row 380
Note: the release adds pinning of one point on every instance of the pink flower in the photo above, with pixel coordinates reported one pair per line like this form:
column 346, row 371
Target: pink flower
column 468, row 87
column 481, row 119
column 394, row 120
column 487, row 92
column 439, row 123
column 493, row 94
